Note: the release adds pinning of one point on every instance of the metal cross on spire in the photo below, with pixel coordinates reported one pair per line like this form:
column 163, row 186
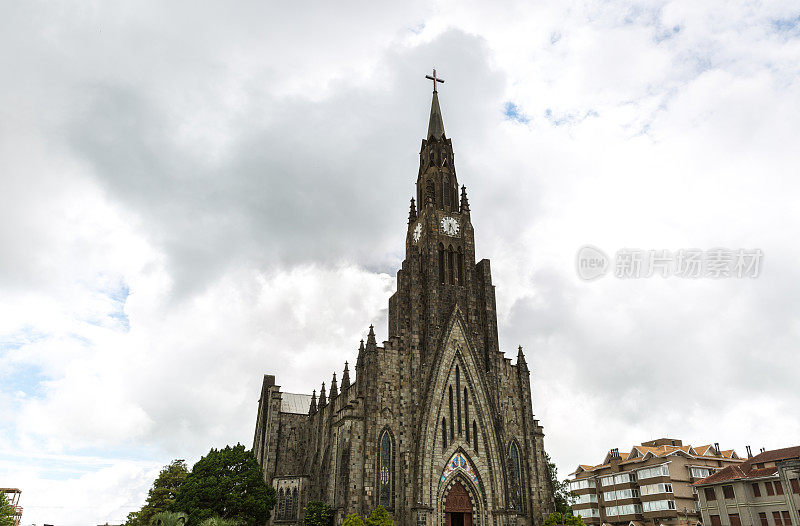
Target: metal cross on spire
column 435, row 79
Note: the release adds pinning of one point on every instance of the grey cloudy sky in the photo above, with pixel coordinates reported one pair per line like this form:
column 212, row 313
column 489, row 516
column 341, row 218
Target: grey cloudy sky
column 194, row 194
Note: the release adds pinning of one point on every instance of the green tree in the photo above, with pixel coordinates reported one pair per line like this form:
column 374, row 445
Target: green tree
column 570, row 520
column 380, row 517
column 563, row 496
column 353, row 520
column 317, row 514
column 226, row 483
column 7, row 513
column 219, row 521
column 167, row 518
column 161, row 496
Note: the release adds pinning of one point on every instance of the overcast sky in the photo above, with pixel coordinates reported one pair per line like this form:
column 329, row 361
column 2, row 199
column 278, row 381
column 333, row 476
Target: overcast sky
column 194, row 195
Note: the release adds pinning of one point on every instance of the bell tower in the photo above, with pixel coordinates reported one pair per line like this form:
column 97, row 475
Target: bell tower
column 440, row 272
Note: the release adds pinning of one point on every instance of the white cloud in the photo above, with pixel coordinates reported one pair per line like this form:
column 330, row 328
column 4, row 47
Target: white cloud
column 192, row 196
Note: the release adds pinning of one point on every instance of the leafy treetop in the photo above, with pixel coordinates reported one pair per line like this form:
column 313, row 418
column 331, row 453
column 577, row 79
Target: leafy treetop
column 227, row 483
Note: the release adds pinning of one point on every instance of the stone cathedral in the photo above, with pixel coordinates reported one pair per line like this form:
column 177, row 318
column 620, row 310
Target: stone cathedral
column 437, row 425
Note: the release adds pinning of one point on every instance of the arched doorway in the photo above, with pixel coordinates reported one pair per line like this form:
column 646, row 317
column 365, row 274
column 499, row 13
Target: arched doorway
column 458, row 507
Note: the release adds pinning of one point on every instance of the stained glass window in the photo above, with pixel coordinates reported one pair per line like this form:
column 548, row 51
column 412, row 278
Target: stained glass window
column 385, row 475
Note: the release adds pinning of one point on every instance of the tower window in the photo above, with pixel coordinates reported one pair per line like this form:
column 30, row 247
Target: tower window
column 475, row 436
column 446, row 191
column 450, row 264
column 444, row 434
column 441, row 263
column 460, row 266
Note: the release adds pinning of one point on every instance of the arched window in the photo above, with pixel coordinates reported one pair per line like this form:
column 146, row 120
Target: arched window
column 441, row 263
column 431, row 157
column 475, row 436
column 458, row 398
column 444, row 434
column 344, row 476
column 281, row 505
column 514, row 471
column 295, row 502
column 446, row 191
column 289, row 504
column 460, row 266
column 466, row 414
column 452, row 430
column 450, row 264
column 385, row 471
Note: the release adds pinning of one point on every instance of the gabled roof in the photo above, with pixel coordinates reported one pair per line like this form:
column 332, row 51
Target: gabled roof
column 747, row 469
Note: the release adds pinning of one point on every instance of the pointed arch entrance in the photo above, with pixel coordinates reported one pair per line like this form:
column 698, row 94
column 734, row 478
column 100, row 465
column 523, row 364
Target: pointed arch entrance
column 458, row 506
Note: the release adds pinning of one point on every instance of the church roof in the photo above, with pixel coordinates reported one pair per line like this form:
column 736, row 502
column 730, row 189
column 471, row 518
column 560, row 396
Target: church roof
column 295, row 403
column 436, row 124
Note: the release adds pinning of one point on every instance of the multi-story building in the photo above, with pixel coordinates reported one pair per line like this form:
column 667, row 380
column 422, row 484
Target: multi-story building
column 762, row 491
column 651, row 484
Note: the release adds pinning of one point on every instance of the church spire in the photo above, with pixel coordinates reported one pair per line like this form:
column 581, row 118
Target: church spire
column 371, row 343
column 360, row 359
column 322, row 401
column 464, row 202
column 435, row 124
column 345, row 378
column 334, row 388
column 313, row 408
column 412, row 212
column 521, row 363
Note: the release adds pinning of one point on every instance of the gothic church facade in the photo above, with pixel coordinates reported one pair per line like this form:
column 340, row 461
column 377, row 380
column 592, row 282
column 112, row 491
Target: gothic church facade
column 438, row 425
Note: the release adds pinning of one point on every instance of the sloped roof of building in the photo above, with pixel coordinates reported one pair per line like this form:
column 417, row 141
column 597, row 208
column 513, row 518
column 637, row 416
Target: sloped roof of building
column 642, row 453
column 748, row 469
column 295, row 403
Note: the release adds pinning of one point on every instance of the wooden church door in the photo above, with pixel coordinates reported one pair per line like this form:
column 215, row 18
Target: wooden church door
column 458, row 508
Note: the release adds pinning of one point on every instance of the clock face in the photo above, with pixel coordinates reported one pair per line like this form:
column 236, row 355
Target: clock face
column 450, row 226
column 417, row 232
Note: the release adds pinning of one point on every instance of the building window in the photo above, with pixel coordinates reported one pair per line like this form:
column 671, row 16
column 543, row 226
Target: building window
column 451, row 265
column 727, row 492
column 701, row 473
column 778, row 487
column 466, row 414
column 710, row 494
column 441, row 263
column 756, row 489
column 452, row 430
column 656, row 471
column 295, row 502
column 607, row 481
column 795, row 486
column 770, row 488
column 658, row 505
column 734, row 518
column 475, row 436
column 460, row 266
column 586, row 498
column 515, row 472
column 385, row 471
column 444, row 434
column 654, row 489
column 458, row 398
column 776, row 516
column 787, row 520
column 764, row 520
column 281, row 505
column 581, row 484
column 446, row 193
